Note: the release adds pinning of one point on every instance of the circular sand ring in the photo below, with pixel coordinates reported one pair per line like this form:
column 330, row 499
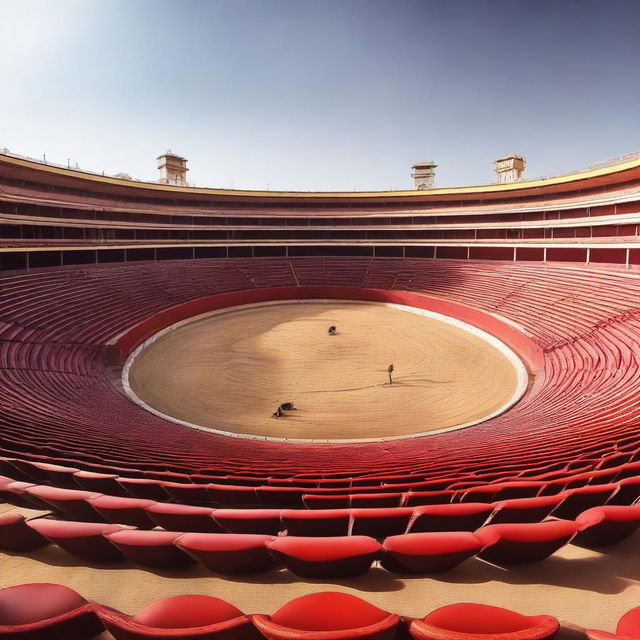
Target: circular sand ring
column 226, row 371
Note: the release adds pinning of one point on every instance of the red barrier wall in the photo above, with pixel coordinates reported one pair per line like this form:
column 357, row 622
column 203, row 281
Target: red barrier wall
column 526, row 348
column 614, row 256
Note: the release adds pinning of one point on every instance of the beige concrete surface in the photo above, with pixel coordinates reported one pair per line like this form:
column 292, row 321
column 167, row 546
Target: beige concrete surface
column 230, row 371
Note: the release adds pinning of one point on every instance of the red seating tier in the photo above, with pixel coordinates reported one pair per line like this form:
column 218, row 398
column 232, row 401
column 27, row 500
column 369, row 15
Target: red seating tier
column 590, row 331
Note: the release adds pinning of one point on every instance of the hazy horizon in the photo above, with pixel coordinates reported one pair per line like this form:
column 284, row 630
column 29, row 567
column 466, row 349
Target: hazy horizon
column 321, row 95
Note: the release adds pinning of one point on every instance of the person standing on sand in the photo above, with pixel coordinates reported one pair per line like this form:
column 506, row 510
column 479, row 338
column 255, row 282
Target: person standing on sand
column 390, row 371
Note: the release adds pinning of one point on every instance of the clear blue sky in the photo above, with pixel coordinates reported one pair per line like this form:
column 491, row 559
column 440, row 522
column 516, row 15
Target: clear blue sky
column 321, row 94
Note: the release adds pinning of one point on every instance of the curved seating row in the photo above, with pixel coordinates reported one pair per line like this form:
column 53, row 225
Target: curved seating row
column 316, row 557
column 575, row 487
column 51, row 611
column 378, row 522
column 56, row 400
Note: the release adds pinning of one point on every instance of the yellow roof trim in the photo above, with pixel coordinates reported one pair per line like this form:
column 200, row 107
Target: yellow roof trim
column 479, row 189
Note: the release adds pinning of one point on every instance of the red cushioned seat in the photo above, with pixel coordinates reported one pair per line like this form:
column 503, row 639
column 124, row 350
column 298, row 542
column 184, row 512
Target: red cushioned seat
column 17, row 535
column 522, row 543
column 476, row 621
column 524, row 509
column 57, row 475
column 380, row 523
column 339, row 557
column 188, row 617
column 292, row 482
column 166, row 476
column 284, row 497
column 129, row 511
column 182, row 517
column 82, row 539
column 10, row 467
column 29, row 471
column 15, row 492
column 232, row 495
column 500, row 491
column 5, row 480
column 428, row 552
column 196, row 494
column 627, row 470
column 328, row 616
column 516, row 490
column 375, row 500
column 246, row 480
column 628, row 491
column 72, row 503
column 151, row 548
column 144, row 488
column 263, row 521
column 100, row 482
column 229, row 553
column 467, row 516
column 46, row 611
column 417, row 498
column 317, row 522
column 578, row 500
column 628, row 628
column 603, row 526
column 333, row 501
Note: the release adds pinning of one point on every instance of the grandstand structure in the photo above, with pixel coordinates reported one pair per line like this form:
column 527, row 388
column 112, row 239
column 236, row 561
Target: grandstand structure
column 533, row 510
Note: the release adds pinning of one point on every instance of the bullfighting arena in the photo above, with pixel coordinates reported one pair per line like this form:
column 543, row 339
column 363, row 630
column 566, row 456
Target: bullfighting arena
column 228, row 371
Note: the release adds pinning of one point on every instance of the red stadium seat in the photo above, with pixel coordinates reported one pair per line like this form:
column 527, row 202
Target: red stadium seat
column 417, row 498
column 524, row 509
column 46, row 612
column 196, row 494
column 501, row 491
column 476, row 621
column 467, row 516
column 100, row 483
column 375, row 500
column 13, row 469
column 150, row 548
column 428, row 552
column 334, row 501
column 229, row 553
column 607, row 525
column 316, row 522
column 129, row 511
column 73, row 503
column 339, row 557
column 575, row 501
column 232, row 496
column 82, row 539
column 263, row 521
column 144, row 488
column 328, row 616
column 182, row 517
column 186, row 617
column 523, row 543
column 280, row 496
column 380, row 523
column 15, row 492
column 55, row 474
column 628, row 491
column 17, row 535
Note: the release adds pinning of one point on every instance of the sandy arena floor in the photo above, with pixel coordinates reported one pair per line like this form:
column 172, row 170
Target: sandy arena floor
column 231, row 370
